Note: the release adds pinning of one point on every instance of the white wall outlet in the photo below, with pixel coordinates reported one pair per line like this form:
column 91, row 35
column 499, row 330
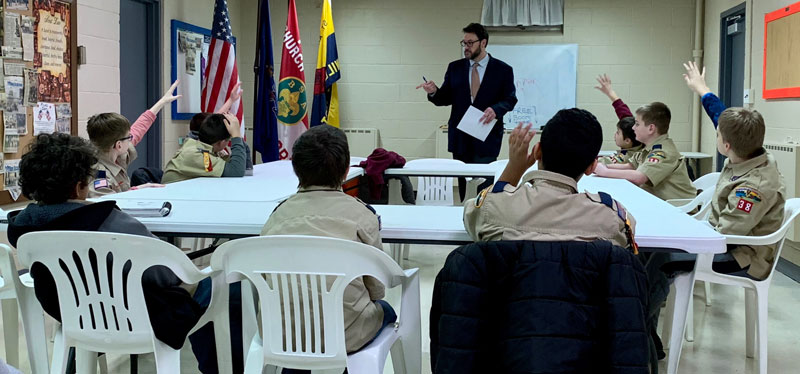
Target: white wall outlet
column 747, row 97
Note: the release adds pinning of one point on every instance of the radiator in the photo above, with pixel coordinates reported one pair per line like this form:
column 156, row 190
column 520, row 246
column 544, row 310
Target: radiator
column 788, row 156
column 441, row 144
column 361, row 141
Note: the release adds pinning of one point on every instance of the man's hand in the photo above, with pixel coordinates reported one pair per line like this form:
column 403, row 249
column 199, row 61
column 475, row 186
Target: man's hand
column 605, row 87
column 168, row 97
column 695, row 79
column 489, row 115
column 232, row 124
column 429, row 87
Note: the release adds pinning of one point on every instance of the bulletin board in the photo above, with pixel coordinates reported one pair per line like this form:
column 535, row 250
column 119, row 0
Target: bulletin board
column 38, row 88
column 189, row 55
column 781, row 56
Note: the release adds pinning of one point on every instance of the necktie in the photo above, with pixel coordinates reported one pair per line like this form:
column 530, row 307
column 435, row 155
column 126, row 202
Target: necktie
column 476, row 81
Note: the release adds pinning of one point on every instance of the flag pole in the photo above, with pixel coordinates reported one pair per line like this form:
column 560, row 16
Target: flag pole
column 255, row 73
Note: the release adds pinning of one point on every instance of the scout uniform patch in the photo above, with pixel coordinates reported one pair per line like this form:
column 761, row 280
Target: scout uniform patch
column 207, row 162
column 747, row 198
column 100, row 183
column 656, row 156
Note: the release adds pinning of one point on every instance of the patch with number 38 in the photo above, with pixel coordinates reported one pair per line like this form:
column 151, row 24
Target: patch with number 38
column 744, row 205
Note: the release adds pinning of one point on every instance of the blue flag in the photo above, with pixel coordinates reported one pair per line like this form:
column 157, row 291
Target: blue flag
column 265, row 116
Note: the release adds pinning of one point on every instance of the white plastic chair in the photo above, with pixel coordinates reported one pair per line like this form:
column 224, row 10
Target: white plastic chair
column 756, row 293
column 705, row 183
column 14, row 289
column 295, row 270
column 103, row 309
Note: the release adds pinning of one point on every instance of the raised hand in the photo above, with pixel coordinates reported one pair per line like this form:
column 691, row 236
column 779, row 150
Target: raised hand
column 605, row 87
column 695, row 79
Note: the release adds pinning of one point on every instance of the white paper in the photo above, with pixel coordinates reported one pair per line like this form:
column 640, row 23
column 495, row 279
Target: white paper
column 44, row 118
column 472, row 125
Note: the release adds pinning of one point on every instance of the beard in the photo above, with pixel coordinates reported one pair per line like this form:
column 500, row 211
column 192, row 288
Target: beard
column 473, row 55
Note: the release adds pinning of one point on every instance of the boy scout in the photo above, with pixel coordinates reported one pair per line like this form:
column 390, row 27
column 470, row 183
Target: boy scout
column 549, row 206
column 659, row 167
column 116, row 139
column 198, row 158
column 749, row 198
column 624, row 137
column 320, row 158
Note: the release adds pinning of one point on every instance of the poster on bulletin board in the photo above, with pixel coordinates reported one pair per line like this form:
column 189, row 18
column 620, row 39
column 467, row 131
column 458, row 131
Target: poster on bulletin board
column 189, row 54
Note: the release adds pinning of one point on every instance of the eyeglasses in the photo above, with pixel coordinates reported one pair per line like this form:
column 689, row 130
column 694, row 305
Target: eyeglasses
column 468, row 43
column 129, row 137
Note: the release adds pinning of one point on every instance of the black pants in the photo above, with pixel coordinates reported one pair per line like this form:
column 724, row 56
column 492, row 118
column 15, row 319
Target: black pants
column 473, row 159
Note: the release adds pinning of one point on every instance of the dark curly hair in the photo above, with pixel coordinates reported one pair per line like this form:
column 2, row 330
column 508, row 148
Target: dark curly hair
column 53, row 164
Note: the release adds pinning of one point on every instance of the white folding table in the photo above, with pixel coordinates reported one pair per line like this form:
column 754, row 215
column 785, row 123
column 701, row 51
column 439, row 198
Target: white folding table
column 658, row 224
column 271, row 181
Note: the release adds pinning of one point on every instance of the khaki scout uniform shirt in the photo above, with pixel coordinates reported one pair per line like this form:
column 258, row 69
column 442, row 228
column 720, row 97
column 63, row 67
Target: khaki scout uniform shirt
column 665, row 170
column 622, row 156
column 749, row 201
column 548, row 209
column 325, row 211
column 194, row 159
column 112, row 175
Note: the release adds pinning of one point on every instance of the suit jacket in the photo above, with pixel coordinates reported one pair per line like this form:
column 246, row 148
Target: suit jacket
column 497, row 91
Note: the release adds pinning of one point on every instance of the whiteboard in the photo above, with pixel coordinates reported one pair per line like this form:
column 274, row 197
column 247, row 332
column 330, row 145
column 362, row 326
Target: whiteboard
column 545, row 76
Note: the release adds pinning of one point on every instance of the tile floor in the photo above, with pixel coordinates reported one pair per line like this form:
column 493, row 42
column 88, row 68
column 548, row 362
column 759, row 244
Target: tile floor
column 719, row 345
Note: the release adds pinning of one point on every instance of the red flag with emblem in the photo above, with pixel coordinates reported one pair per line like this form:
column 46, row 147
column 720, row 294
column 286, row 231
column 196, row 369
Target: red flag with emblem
column 292, row 105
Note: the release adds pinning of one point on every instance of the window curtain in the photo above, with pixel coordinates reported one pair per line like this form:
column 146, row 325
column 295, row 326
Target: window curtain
column 523, row 13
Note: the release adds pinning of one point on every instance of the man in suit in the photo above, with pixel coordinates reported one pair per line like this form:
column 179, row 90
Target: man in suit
column 484, row 82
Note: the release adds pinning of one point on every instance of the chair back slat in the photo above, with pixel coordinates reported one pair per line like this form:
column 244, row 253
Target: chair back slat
column 98, row 278
column 303, row 278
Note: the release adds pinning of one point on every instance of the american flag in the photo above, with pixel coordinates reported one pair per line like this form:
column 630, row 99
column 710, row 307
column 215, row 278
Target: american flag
column 221, row 72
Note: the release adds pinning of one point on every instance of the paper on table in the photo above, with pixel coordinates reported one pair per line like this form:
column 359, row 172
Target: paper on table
column 472, row 125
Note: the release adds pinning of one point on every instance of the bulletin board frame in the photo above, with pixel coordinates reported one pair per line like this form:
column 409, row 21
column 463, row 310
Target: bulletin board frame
column 72, row 67
column 778, row 65
column 176, row 73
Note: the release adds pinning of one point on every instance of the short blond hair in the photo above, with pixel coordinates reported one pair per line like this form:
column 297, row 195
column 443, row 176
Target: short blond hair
column 743, row 129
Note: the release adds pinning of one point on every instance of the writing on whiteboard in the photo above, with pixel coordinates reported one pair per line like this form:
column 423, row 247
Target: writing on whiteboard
column 545, row 76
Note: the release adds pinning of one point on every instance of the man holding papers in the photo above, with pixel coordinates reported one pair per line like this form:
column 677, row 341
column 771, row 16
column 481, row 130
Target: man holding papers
column 480, row 81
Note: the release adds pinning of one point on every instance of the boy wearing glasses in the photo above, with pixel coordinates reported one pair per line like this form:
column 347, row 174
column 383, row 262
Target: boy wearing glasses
column 478, row 80
column 116, row 140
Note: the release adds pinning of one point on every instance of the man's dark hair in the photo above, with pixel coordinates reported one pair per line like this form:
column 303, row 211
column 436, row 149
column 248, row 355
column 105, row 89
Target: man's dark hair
column 53, row 165
column 478, row 30
column 320, row 157
column 570, row 142
column 626, row 126
column 197, row 120
column 213, row 129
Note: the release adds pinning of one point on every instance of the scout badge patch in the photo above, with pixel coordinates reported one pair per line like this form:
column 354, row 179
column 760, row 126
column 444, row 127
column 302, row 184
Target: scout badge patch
column 207, row 162
column 656, row 156
column 100, row 183
column 747, row 198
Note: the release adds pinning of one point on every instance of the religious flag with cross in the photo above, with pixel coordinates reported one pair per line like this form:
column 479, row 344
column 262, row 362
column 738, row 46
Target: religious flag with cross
column 221, row 74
